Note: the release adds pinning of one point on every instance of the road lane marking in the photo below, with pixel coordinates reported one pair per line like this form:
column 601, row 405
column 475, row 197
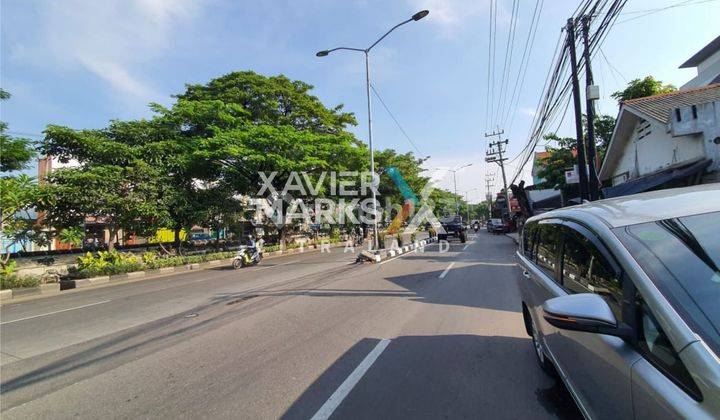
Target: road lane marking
column 466, row 247
column 344, row 389
column 496, row 264
column 55, row 312
column 444, row 273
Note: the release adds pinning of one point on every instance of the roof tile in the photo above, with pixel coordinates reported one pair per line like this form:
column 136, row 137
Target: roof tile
column 660, row 106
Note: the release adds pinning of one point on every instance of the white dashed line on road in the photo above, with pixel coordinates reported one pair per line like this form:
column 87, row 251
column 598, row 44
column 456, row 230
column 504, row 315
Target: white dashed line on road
column 444, row 273
column 344, row 389
column 54, row 312
column 466, row 247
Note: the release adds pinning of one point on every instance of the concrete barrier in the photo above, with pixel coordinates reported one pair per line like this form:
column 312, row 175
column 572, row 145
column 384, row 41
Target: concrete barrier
column 6, row 294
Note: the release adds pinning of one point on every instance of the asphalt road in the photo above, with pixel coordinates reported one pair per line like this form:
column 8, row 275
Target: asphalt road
column 430, row 334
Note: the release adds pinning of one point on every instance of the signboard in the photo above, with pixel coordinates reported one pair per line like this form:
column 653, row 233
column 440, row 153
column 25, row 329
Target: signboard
column 572, row 177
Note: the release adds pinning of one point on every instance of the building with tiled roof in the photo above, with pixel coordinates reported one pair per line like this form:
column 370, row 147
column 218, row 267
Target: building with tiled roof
column 663, row 141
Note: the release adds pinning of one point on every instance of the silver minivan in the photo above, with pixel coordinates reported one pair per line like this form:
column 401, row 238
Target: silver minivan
column 622, row 300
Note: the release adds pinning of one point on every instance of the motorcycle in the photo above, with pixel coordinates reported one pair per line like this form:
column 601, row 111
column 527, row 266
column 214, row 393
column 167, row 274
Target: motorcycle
column 476, row 227
column 247, row 256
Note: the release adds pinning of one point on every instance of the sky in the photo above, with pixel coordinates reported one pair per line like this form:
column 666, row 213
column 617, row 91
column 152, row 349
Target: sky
column 82, row 63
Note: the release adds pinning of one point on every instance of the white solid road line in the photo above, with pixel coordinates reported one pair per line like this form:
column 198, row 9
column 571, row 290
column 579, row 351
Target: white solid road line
column 444, row 273
column 497, row 264
column 55, row 312
column 344, row 389
column 466, row 247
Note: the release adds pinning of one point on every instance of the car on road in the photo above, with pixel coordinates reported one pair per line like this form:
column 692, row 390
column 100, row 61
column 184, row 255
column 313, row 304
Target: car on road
column 454, row 227
column 496, row 226
column 622, row 300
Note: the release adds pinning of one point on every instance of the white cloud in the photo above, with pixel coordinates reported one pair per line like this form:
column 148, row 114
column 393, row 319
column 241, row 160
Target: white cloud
column 111, row 39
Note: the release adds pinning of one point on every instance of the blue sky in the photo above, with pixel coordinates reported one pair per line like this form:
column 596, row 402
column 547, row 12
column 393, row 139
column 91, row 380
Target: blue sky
column 82, row 63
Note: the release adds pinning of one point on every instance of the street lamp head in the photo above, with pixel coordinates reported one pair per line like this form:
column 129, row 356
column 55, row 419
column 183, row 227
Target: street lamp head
column 322, row 53
column 421, row 14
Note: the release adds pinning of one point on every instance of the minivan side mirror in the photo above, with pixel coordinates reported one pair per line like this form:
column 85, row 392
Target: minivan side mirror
column 585, row 312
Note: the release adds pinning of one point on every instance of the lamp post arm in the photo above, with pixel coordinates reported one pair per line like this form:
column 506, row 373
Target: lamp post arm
column 388, row 33
column 346, row 48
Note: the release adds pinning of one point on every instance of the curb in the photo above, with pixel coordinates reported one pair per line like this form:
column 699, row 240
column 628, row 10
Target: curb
column 385, row 254
column 8, row 295
column 514, row 236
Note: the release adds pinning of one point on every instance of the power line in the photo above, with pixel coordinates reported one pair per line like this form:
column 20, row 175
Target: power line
column 524, row 61
column 372, row 86
column 557, row 85
column 487, row 92
column 492, row 63
column 507, row 64
column 612, row 68
column 661, row 9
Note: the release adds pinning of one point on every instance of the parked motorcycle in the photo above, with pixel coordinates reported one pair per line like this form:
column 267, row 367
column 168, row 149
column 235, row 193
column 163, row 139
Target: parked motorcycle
column 247, row 256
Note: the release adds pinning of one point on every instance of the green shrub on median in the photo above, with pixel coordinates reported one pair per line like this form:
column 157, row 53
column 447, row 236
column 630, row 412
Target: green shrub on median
column 106, row 263
column 10, row 280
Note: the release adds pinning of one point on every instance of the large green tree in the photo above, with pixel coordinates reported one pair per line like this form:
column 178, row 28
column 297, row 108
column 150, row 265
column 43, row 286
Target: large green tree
column 559, row 159
column 18, row 193
column 18, row 197
column 216, row 139
column 123, row 197
column 640, row 88
column 15, row 152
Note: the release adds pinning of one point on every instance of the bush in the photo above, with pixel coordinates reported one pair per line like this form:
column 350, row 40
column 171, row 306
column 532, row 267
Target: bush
column 10, row 280
column 107, row 263
column 14, row 281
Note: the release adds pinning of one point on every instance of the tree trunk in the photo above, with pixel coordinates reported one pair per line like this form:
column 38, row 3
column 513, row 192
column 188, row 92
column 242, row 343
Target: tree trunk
column 176, row 239
column 113, row 238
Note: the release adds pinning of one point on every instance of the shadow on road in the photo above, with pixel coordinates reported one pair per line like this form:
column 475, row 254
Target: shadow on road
column 448, row 376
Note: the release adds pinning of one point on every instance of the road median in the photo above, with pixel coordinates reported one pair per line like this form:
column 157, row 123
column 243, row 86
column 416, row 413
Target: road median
column 50, row 289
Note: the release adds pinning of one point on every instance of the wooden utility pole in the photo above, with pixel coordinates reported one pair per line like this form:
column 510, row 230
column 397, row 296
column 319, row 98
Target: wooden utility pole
column 580, row 145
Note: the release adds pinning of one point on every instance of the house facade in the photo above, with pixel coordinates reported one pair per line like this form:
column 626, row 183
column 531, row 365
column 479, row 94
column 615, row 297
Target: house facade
column 707, row 63
column 664, row 141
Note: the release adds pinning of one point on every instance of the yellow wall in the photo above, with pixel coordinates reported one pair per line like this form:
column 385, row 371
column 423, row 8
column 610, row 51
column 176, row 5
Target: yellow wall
column 166, row 235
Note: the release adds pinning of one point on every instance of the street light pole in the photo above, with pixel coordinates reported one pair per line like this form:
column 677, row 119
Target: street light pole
column 376, row 243
column 417, row 16
column 454, row 171
column 468, row 203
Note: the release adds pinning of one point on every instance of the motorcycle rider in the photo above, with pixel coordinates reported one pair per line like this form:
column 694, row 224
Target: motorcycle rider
column 252, row 247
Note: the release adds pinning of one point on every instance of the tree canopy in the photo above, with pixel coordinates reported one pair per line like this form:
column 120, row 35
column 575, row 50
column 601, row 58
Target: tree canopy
column 211, row 145
column 15, row 152
column 640, row 88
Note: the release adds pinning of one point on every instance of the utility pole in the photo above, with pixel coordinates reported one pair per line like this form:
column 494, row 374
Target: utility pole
column 591, row 94
column 494, row 154
column 488, row 193
column 580, row 145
